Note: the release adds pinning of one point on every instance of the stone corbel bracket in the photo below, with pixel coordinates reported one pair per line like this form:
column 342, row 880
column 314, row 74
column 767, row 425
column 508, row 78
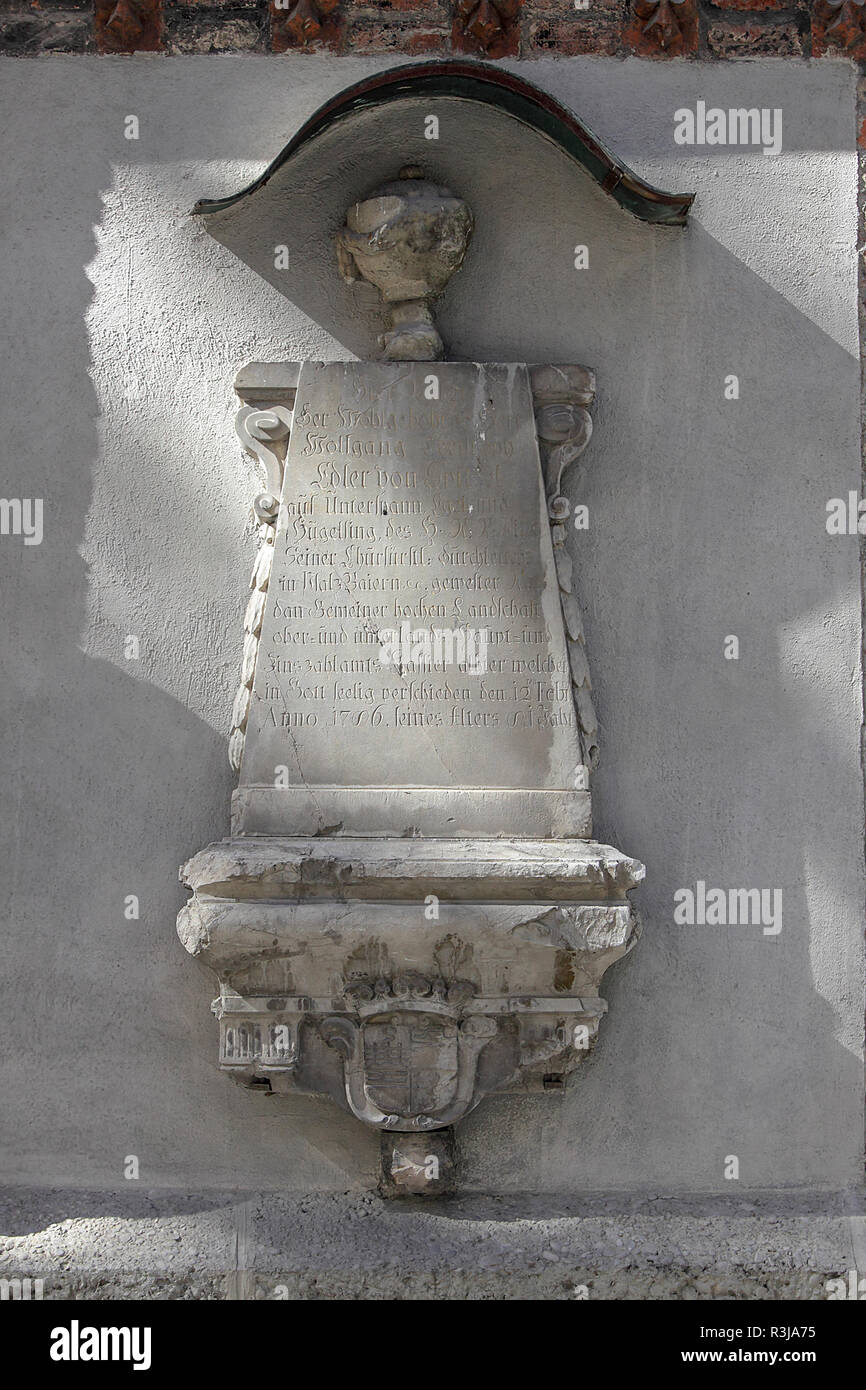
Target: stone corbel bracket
column 336, row 980
column 263, row 426
column 562, row 397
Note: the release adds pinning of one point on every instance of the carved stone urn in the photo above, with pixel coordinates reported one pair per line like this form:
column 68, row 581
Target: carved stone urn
column 411, row 913
column 407, row 238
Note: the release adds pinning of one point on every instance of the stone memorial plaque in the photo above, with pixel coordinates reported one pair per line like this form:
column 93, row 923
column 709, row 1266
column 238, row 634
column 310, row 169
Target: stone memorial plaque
column 411, row 912
column 412, row 673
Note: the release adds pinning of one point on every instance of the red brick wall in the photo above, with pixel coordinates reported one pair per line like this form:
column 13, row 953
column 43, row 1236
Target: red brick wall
column 493, row 29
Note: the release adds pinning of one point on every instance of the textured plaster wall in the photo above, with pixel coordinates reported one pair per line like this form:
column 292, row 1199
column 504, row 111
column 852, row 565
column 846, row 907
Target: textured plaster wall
column 126, row 321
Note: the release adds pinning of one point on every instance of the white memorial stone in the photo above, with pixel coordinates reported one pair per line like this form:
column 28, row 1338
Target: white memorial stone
column 411, row 913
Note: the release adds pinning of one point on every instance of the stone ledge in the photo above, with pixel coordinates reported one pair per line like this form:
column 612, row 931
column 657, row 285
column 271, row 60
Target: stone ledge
column 163, row 1244
column 488, row 869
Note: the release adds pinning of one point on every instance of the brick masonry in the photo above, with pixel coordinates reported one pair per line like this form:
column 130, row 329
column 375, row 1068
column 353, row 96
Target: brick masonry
column 491, row 29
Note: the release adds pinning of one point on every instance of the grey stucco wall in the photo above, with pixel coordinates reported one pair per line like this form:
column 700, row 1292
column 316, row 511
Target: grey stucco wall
column 126, row 321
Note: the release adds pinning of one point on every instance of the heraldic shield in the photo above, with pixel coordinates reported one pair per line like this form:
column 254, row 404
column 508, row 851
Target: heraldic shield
column 409, row 1065
column 410, row 1062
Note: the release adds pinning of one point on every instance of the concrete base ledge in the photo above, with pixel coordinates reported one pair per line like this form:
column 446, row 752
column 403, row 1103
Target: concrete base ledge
column 164, row 1245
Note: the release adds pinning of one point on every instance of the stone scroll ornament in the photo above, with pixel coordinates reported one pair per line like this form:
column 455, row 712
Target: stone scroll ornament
column 410, row 913
column 562, row 396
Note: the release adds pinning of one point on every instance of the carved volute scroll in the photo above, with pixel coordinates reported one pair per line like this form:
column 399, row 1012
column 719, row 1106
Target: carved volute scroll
column 265, row 434
column 562, row 397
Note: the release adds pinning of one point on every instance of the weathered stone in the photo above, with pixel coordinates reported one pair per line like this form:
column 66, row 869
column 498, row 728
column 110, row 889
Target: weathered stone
column 26, row 33
column 491, row 29
column 208, row 27
column 407, row 238
column 434, row 10
column 755, row 40
column 436, row 510
column 755, row 5
column 377, row 32
column 66, row 6
column 310, row 939
column 565, row 36
column 517, row 870
column 418, row 1165
column 558, row 27
column 407, row 978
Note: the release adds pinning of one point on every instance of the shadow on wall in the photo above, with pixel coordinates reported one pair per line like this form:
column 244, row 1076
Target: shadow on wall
column 707, row 519
column 117, row 769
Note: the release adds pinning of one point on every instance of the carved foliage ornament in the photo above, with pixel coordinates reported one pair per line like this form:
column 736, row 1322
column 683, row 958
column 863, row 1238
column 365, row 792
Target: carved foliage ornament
column 564, row 424
column 668, row 27
column 265, row 436
column 126, row 26
column 840, row 25
column 299, row 23
column 487, row 26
